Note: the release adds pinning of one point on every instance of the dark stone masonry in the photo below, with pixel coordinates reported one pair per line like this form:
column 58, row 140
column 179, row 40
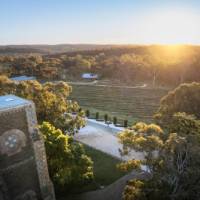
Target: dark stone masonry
column 23, row 166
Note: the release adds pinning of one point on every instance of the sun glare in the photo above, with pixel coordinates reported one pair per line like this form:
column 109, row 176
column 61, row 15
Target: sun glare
column 174, row 49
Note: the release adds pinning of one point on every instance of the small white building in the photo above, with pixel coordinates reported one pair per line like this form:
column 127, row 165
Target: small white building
column 90, row 76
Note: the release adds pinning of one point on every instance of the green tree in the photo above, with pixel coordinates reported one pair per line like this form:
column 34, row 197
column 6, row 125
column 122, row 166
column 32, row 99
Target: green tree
column 50, row 100
column 171, row 161
column 185, row 98
column 68, row 164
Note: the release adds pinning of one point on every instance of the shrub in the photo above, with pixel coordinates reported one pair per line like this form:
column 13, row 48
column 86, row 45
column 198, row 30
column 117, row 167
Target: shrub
column 97, row 115
column 106, row 117
column 125, row 123
column 114, row 120
column 87, row 113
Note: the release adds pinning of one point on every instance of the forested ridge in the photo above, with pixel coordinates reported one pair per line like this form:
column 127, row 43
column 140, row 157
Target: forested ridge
column 48, row 49
column 155, row 64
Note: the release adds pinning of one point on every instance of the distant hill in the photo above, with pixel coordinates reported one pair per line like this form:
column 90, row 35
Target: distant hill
column 85, row 49
column 50, row 49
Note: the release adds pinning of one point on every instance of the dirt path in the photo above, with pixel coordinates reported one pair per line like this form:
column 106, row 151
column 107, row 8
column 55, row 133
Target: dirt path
column 96, row 84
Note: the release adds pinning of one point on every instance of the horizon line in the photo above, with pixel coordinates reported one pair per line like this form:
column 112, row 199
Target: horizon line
column 103, row 44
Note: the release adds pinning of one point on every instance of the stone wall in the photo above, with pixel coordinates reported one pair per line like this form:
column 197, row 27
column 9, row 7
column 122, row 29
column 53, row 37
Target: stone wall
column 23, row 167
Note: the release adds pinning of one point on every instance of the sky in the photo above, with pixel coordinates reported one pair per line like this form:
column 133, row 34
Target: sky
column 99, row 22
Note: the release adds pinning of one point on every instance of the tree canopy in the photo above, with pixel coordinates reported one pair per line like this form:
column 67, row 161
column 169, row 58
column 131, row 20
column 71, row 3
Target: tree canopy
column 185, row 98
column 50, row 100
column 171, row 162
column 68, row 164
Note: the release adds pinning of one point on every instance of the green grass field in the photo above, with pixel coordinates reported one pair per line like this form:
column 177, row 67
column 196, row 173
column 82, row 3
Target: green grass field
column 134, row 104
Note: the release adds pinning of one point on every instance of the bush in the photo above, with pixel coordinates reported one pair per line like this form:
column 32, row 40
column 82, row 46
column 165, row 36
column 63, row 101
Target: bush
column 125, row 123
column 114, row 120
column 97, row 115
column 106, row 117
column 87, row 113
